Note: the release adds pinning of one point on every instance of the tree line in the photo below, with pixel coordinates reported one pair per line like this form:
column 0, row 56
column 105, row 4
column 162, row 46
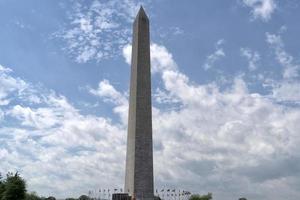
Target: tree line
column 13, row 187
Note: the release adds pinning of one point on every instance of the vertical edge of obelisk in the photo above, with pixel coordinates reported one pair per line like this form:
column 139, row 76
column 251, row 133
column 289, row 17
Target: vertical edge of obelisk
column 130, row 154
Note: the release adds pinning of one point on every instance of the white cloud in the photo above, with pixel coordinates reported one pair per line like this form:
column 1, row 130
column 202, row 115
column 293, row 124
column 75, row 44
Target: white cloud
column 287, row 91
column 168, row 32
column 262, row 9
column 108, row 93
column 161, row 59
column 39, row 118
column 1, row 115
column 8, row 85
column 4, row 69
column 127, row 53
column 252, row 56
column 218, row 54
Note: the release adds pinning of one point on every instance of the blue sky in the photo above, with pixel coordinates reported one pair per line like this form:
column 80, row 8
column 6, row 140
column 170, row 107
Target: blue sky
column 225, row 84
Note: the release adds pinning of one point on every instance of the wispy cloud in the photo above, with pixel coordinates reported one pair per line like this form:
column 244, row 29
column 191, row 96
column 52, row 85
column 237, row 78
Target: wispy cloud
column 290, row 69
column 252, row 56
column 287, row 89
column 215, row 56
column 98, row 30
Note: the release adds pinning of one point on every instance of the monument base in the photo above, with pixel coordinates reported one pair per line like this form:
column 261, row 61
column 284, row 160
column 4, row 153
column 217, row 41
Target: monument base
column 125, row 196
column 121, row 196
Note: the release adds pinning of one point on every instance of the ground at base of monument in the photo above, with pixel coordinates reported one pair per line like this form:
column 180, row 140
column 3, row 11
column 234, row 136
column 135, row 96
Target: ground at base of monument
column 125, row 196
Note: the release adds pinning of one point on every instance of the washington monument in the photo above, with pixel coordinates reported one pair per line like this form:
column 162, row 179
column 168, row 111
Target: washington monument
column 139, row 157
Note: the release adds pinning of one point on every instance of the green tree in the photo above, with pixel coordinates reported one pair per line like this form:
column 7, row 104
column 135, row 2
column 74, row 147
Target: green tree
column 201, row 197
column 51, row 198
column 2, row 187
column 84, row 197
column 15, row 187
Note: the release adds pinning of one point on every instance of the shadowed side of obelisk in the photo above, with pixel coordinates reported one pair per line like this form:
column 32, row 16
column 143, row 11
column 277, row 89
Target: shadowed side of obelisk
column 139, row 157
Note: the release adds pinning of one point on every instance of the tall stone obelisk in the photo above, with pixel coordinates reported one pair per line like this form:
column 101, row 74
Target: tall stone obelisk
column 139, row 157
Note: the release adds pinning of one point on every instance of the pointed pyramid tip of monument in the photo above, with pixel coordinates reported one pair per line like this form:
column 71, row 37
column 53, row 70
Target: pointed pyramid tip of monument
column 142, row 12
column 141, row 7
